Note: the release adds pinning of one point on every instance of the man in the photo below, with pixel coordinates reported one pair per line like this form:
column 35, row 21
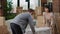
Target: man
column 20, row 22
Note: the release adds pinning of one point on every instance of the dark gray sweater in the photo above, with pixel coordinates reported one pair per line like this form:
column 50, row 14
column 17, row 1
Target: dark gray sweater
column 23, row 20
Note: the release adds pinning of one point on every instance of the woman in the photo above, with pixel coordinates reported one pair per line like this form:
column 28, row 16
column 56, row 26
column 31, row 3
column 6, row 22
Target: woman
column 48, row 16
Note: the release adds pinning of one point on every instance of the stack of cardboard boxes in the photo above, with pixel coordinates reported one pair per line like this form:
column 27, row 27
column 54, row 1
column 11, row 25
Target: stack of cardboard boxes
column 39, row 17
column 3, row 27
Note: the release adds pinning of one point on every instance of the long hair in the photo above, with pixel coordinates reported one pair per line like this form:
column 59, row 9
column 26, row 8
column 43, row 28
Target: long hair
column 47, row 6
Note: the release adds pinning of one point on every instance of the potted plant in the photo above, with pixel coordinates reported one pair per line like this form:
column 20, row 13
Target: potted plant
column 7, row 10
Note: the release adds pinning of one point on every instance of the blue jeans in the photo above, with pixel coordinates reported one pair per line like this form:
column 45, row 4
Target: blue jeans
column 16, row 29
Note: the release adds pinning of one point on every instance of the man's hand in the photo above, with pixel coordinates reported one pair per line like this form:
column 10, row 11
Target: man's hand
column 34, row 32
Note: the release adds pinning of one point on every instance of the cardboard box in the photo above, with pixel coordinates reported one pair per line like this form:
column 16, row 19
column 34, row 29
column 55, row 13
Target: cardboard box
column 3, row 30
column 38, row 11
column 3, row 27
column 40, row 21
column 2, row 20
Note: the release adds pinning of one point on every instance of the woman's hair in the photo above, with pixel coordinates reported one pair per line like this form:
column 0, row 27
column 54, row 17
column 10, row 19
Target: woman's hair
column 47, row 6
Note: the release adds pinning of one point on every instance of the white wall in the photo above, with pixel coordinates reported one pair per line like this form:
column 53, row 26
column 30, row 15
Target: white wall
column 33, row 4
column 23, row 3
column 14, row 5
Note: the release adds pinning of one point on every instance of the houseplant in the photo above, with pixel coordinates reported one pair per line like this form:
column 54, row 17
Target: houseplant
column 7, row 10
